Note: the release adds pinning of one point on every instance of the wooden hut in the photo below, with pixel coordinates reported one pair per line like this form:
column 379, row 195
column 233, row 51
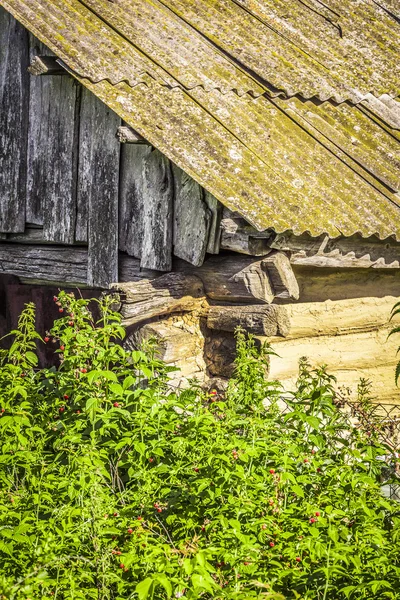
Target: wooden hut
column 220, row 163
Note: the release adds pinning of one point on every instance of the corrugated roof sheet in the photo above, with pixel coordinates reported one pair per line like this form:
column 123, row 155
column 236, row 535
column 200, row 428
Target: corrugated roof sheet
column 283, row 163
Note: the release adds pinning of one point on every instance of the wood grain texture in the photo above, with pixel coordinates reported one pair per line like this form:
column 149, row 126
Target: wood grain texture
column 14, row 98
column 50, row 263
column 98, row 188
column 214, row 235
column 192, row 219
column 158, row 195
column 52, row 153
column 131, row 197
column 260, row 320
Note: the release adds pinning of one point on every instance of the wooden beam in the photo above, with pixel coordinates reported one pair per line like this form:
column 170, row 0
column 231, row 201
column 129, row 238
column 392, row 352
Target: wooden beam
column 127, row 135
column 173, row 343
column 46, row 65
column 258, row 319
column 233, row 278
column 281, row 275
column 173, row 292
column 342, row 252
column 14, row 98
column 243, row 243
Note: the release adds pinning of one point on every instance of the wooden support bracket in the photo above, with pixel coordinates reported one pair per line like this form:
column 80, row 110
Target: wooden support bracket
column 46, row 65
column 127, row 135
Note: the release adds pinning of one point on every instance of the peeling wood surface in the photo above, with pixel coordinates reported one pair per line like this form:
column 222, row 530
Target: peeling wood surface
column 14, row 91
column 260, row 320
column 214, row 235
column 131, row 197
column 173, row 292
column 192, row 219
column 52, row 155
column 98, row 174
column 158, row 196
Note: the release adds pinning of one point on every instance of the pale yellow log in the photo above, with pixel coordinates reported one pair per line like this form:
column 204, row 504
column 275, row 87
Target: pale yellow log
column 339, row 317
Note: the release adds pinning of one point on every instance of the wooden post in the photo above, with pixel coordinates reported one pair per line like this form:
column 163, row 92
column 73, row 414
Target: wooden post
column 127, row 135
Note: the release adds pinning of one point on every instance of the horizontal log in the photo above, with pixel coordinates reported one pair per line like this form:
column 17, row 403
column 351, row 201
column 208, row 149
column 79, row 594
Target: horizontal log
column 341, row 317
column 127, row 135
column 173, row 343
column 60, row 264
column 244, row 244
column 233, row 278
column 268, row 320
column 46, row 65
column 173, row 292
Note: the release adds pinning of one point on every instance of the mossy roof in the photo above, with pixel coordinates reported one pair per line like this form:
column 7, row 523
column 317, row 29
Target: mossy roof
column 286, row 110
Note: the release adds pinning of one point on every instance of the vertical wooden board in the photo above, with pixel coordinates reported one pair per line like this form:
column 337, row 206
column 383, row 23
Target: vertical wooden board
column 14, row 96
column 99, row 155
column 214, row 236
column 192, row 219
column 52, row 153
column 133, row 157
column 158, row 199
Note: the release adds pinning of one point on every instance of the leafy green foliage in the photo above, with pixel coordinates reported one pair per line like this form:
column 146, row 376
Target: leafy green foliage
column 396, row 311
column 113, row 487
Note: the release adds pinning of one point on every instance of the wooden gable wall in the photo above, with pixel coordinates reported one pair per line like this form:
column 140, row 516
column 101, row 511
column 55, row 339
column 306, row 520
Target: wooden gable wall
column 67, row 181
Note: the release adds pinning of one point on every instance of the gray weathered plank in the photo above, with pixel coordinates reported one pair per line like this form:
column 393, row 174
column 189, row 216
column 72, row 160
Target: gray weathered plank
column 14, row 95
column 98, row 187
column 214, row 235
column 158, row 195
column 52, row 156
column 192, row 219
column 131, row 206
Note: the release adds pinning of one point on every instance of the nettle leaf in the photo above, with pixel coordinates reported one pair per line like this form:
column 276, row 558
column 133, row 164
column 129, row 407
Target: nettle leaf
column 163, row 580
column 203, row 581
column 31, row 358
column 145, row 588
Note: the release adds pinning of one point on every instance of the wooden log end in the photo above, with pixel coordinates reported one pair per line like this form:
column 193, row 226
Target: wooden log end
column 46, row 65
column 127, row 135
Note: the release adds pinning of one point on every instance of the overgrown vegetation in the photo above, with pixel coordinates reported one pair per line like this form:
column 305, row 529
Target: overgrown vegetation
column 396, row 311
column 112, row 487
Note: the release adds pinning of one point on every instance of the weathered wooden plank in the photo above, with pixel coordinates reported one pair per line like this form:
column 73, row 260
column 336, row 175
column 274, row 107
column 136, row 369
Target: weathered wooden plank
column 192, row 219
column 50, row 263
column 281, row 275
column 14, row 98
column 342, row 252
column 98, row 175
column 131, row 198
column 214, row 234
column 52, row 157
column 158, row 194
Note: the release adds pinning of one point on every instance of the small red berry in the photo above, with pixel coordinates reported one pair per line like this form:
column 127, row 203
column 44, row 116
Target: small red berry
column 306, row 460
column 121, row 566
column 271, row 502
column 118, row 553
column 78, row 412
column 55, row 298
column 272, row 471
column 62, row 348
column 203, row 528
column 116, row 514
column 317, row 514
column 263, row 526
column 61, row 409
column 196, row 469
column 60, row 310
column 140, row 518
column 130, row 531
column 272, row 544
column 298, row 559
column 66, row 397
column 312, row 520
column 83, row 370
column 159, row 510
column 150, row 461
column 23, row 374
column 319, row 470
column 46, row 339
column 116, row 404
column 313, row 451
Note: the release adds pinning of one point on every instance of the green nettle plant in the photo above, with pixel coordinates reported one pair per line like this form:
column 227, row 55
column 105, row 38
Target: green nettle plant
column 113, row 487
column 396, row 311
